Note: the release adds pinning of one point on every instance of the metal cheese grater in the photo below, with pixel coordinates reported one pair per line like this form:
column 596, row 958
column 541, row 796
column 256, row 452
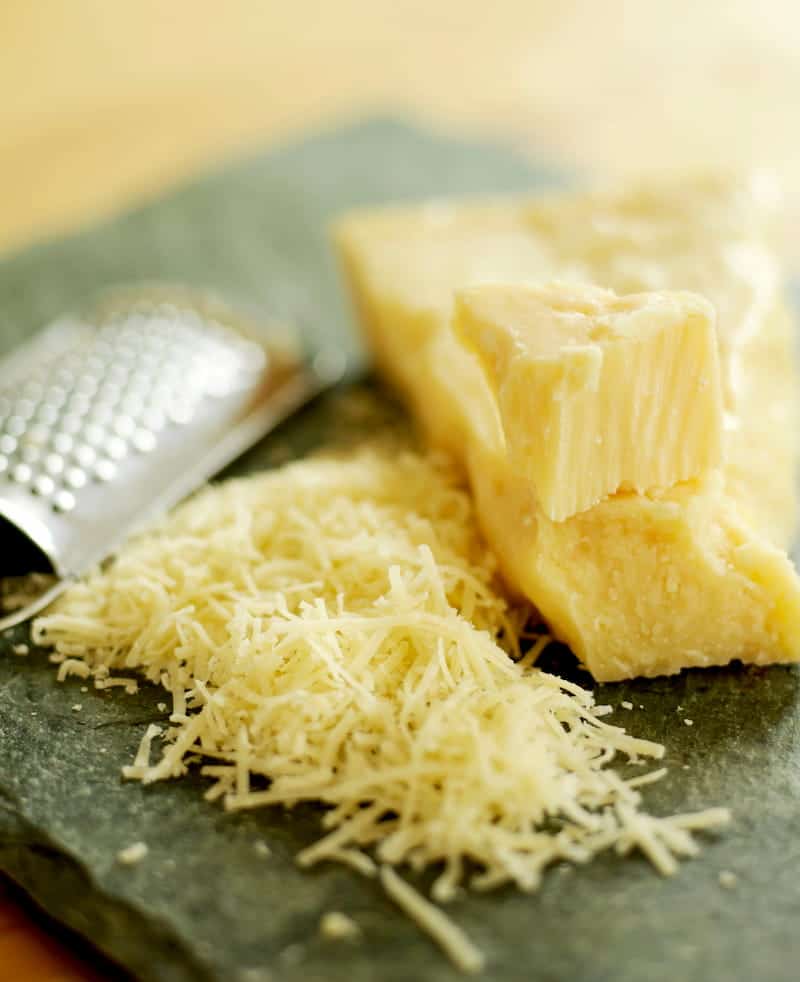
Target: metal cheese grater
column 108, row 419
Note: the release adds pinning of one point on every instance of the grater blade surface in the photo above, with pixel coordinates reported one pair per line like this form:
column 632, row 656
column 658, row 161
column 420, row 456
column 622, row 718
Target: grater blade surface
column 110, row 417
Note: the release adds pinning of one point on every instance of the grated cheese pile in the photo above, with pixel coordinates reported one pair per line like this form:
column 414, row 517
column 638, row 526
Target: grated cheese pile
column 334, row 631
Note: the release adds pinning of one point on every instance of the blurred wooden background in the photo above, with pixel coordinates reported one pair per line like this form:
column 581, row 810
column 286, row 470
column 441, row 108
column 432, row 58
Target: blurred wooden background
column 104, row 103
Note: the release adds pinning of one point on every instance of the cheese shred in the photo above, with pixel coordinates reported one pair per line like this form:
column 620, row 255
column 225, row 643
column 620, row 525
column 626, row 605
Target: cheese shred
column 335, row 631
column 450, row 938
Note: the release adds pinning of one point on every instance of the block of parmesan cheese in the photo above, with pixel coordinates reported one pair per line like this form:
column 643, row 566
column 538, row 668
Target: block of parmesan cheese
column 639, row 584
column 597, row 392
column 422, row 247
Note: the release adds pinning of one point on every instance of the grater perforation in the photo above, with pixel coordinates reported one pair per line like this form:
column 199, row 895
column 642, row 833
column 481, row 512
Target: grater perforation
column 108, row 417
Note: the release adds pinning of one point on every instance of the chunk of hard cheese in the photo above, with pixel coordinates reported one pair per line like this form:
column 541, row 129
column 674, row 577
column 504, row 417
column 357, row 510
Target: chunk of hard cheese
column 638, row 584
column 595, row 391
column 645, row 586
column 419, row 250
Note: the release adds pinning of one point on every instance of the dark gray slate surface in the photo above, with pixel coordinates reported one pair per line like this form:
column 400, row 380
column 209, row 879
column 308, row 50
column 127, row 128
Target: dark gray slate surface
column 204, row 905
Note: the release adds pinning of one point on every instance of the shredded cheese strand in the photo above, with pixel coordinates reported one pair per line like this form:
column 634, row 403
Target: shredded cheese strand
column 432, row 920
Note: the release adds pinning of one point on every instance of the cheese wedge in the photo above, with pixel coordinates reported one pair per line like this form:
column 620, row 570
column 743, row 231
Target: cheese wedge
column 421, row 251
column 638, row 584
column 597, row 392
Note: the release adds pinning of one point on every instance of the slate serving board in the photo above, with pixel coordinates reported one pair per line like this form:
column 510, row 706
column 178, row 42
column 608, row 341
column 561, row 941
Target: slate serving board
column 204, row 905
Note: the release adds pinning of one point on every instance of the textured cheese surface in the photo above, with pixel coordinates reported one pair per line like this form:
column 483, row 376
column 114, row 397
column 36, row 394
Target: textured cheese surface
column 336, row 627
column 637, row 585
column 597, row 391
column 490, row 244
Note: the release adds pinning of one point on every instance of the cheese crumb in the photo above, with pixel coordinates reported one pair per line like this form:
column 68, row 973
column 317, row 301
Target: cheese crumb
column 133, row 854
column 335, row 926
column 626, row 705
column 20, row 649
column 689, row 722
column 728, row 880
column 73, row 666
column 131, row 686
column 77, row 707
column 262, row 849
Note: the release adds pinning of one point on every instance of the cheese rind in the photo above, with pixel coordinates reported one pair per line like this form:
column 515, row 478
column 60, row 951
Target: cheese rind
column 597, row 391
column 636, row 585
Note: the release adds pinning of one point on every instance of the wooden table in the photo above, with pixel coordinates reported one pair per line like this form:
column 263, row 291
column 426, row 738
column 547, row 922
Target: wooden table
column 104, row 104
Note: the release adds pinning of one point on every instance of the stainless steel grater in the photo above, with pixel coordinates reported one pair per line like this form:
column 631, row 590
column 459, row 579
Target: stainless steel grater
column 109, row 418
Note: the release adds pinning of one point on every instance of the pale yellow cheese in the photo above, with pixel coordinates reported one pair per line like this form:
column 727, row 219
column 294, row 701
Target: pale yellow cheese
column 490, row 243
column 597, row 392
column 712, row 235
column 335, row 626
column 637, row 585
